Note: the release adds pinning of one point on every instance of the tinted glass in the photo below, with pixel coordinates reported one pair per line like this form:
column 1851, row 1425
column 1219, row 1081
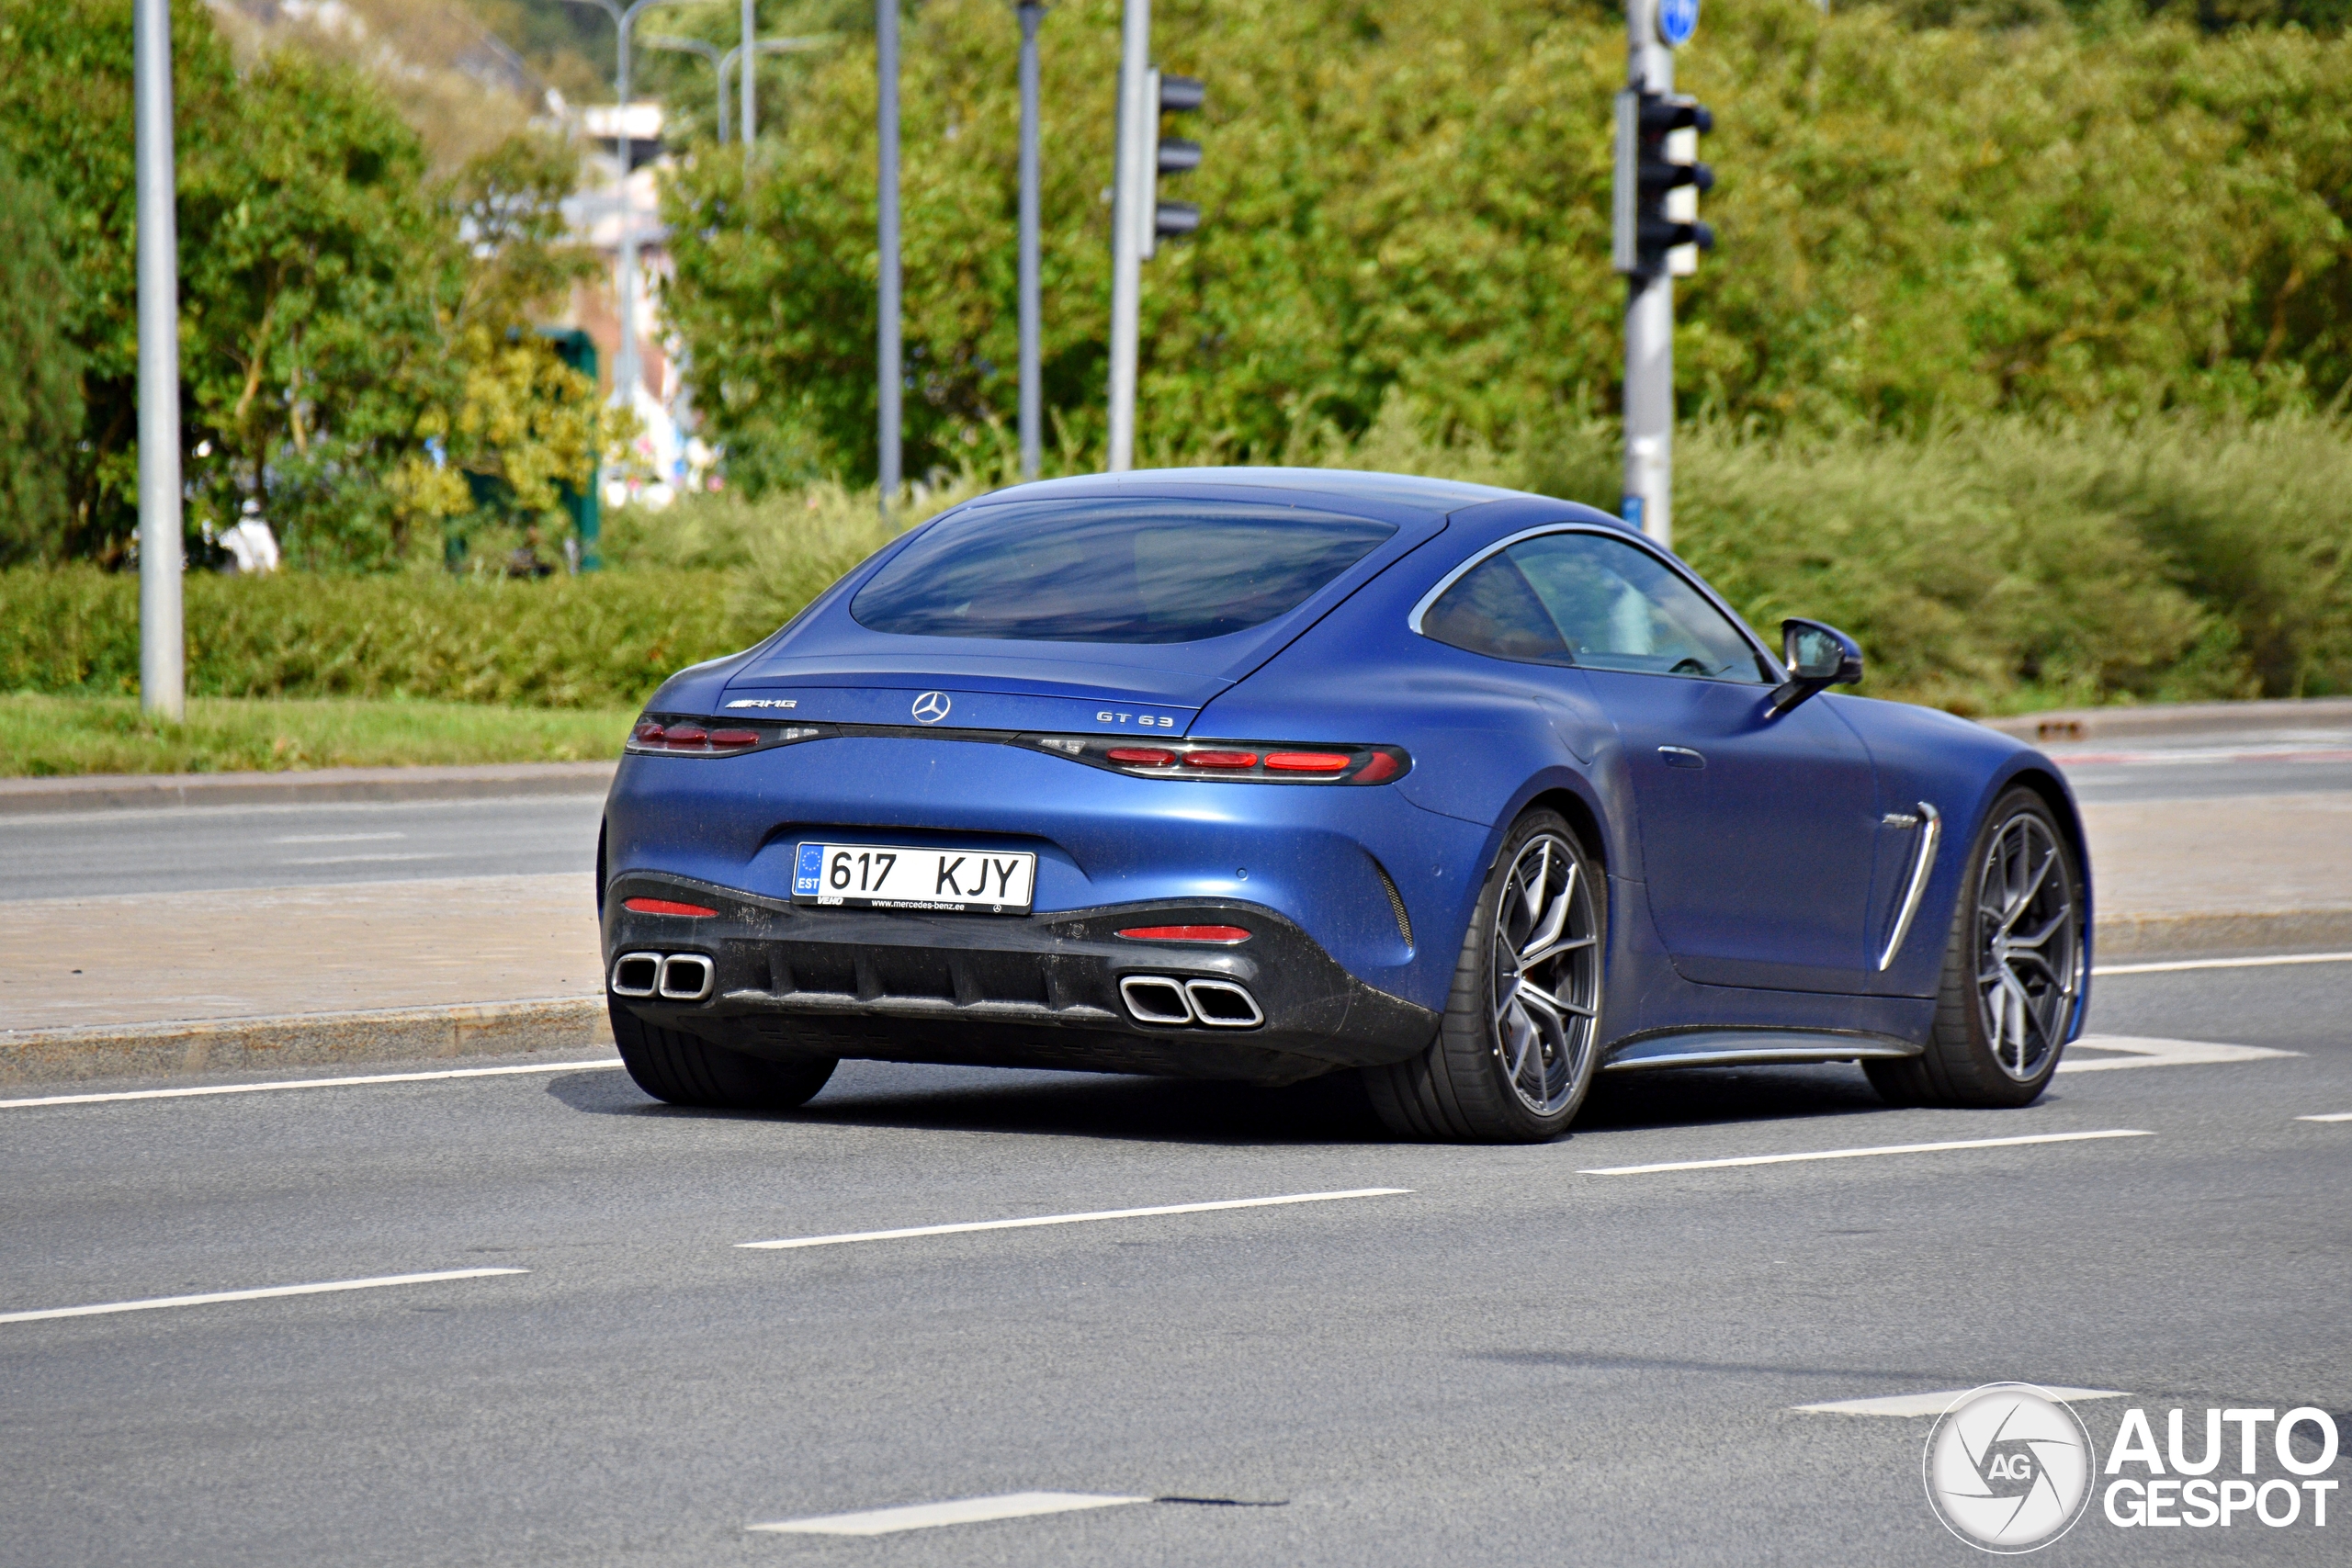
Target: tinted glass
column 1618, row 607
column 1130, row 570
column 1493, row 611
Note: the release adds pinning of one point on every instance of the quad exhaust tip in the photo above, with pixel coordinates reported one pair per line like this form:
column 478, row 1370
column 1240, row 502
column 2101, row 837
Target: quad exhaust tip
column 673, row 977
column 1216, row 1004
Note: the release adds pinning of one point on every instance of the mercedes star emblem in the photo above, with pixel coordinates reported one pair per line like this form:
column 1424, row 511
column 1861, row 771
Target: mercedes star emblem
column 931, row 706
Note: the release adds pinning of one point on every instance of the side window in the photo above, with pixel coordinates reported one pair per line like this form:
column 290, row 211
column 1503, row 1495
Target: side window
column 1494, row 611
column 1618, row 607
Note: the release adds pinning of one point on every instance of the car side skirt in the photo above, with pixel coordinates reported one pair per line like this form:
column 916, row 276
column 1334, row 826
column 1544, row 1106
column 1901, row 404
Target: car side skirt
column 1753, row 1048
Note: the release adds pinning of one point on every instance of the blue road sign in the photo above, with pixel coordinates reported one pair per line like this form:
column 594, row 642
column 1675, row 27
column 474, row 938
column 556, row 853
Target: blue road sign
column 1677, row 20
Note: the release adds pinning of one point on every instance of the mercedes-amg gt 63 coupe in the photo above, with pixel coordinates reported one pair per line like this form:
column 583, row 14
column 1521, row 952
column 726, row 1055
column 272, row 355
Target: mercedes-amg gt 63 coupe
column 1261, row 774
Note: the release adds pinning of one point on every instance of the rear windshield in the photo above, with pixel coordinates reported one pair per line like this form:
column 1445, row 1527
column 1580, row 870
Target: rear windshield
column 1123, row 570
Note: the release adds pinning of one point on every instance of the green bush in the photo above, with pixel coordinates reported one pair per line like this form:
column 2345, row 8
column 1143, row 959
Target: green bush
column 599, row 641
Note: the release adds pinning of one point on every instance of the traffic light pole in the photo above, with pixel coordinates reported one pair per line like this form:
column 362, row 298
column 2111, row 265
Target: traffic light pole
column 1137, row 135
column 163, row 649
column 1649, row 326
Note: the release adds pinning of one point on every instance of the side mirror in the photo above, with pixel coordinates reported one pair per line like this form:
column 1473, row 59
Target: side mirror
column 1817, row 657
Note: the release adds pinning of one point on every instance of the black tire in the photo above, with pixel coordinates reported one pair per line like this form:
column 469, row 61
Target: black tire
column 1462, row 1086
column 1976, row 1060
column 684, row 1070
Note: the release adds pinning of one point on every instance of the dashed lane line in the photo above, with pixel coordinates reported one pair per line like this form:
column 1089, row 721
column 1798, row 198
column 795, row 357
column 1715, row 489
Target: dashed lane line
column 1860, row 1154
column 1074, row 1219
column 2331, row 1116
column 964, row 1511
column 2221, row 963
column 1938, row 1403
column 328, row 1287
column 592, row 1064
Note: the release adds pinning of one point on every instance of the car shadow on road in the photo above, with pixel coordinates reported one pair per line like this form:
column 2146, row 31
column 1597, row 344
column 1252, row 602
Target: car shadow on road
column 1331, row 1110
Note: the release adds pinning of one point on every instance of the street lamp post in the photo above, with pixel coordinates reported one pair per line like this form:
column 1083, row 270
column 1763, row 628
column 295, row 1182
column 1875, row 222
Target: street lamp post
column 746, row 49
column 163, row 649
column 764, row 46
column 709, row 52
column 627, row 371
column 1029, row 12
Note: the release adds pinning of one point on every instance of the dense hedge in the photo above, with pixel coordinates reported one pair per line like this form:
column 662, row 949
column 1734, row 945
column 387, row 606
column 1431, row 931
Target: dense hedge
column 599, row 641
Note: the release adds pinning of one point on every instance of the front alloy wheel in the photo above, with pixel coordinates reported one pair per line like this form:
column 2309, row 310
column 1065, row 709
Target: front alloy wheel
column 1516, row 1048
column 2013, row 969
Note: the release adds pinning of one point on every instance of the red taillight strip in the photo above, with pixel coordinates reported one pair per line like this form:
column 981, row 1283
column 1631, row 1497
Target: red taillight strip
column 1308, row 761
column 1220, row 759
column 665, row 907
column 1221, row 936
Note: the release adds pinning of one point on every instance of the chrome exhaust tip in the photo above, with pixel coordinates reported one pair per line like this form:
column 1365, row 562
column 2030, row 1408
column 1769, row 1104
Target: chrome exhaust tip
column 1221, row 1004
column 1154, row 999
column 686, row 977
column 637, row 974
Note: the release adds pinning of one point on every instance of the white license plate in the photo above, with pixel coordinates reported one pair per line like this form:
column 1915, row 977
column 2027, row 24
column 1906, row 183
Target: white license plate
column 891, row 876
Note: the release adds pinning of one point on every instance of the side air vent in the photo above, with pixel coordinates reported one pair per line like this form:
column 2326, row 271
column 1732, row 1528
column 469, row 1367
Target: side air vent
column 1395, row 902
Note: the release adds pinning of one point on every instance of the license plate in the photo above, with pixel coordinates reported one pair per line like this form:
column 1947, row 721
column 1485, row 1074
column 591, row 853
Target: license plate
column 890, row 876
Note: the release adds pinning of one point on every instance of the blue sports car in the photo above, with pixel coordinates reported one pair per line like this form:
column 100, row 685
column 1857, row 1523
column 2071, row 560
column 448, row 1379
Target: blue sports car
column 1263, row 773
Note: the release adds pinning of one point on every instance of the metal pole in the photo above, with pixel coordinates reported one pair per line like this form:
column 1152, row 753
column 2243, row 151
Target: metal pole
column 1127, row 219
column 627, row 373
column 1649, row 326
column 1032, row 396
column 887, row 356
column 751, row 71
column 163, row 649
column 718, row 65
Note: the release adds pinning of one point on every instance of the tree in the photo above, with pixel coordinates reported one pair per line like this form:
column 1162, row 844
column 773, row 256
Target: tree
column 40, row 408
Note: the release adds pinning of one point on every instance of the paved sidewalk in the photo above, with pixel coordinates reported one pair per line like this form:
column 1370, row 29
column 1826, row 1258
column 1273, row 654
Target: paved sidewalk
column 2267, row 872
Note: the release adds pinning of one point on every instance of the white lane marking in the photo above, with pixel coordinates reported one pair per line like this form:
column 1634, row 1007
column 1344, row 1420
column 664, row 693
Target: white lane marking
column 319, row 1289
column 1858, row 1153
column 2222, row 963
column 1075, row 1219
column 334, row 837
column 2283, row 751
column 307, row 1083
column 966, row 1511
column 2138, row 1052
column 368, row 860
column 2331, row 1116
column 1937, row 1404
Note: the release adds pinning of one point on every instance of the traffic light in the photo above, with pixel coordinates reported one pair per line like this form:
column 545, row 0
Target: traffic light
column 1657, row 229
column 1170, row 155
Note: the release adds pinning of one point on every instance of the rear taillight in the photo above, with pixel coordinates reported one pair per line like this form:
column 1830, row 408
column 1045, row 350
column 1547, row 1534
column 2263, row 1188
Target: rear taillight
column 672, row 735
column 1237, row 761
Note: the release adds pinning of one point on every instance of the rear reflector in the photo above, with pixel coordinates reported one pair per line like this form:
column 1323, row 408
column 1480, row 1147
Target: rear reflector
column 1308, row 761
column 1220, row 759
column 663, row 907
column 1222, row 936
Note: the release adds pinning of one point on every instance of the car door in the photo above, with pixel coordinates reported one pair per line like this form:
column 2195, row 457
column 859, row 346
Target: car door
column 1758, row 832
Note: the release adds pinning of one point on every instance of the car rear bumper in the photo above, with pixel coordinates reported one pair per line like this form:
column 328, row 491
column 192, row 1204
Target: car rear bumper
column 1041, row 990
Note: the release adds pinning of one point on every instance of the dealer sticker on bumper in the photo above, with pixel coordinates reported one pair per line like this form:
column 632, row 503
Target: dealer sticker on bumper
column 888, row 876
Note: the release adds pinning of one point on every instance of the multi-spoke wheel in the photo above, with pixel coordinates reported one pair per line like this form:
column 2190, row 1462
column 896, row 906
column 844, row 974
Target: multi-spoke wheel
column 2013, row 968
column 1515, row 1054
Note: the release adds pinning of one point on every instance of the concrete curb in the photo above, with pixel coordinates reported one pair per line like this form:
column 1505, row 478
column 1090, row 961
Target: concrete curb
column 134, row 792
column 302, row 1040
column 2178, row 718
column 309, row 1041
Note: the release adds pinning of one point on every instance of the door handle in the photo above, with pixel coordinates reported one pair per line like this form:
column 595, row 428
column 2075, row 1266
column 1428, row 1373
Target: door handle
column 1680, row 756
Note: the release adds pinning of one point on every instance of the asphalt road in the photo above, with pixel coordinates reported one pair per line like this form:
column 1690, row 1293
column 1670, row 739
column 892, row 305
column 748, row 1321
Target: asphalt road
column 1511, row 1362
column 191, row 848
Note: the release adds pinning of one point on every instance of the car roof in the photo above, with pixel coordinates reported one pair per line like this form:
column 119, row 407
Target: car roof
column 1407, row 492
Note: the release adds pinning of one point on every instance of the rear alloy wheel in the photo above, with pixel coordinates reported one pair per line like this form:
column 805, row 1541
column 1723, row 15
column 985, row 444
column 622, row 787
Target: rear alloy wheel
column 671, row 1064
column 2013, row 969
column 1515, row 1052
